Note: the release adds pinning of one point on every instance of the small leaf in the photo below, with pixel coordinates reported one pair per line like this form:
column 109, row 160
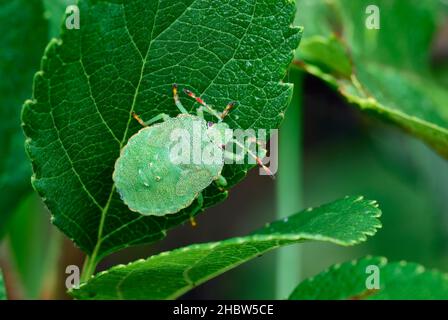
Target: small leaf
column 2, row 287
column 24, row 35
column 124, row 59
column 328, row 54
column 170, row 274
column 379, row 74
column 397, row 280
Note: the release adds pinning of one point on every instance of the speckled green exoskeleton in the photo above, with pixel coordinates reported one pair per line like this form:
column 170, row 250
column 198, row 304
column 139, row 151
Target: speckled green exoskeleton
column 145, row 175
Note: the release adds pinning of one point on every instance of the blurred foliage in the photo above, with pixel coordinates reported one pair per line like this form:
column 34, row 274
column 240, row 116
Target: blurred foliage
column 289, row 193
column 394, row 43
column 2, row 287
column 412, row 220
column 22, row 46
column 386, row 71
column 34, row 247
column 347, row 153
column 29, row 23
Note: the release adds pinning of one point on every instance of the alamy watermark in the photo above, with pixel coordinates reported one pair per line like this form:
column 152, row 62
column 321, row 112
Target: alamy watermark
column 72, row 280
column 373, row 280
column 373, row 19
column 72, row 21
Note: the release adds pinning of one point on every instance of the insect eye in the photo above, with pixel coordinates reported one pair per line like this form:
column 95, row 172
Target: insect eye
column 210, row 124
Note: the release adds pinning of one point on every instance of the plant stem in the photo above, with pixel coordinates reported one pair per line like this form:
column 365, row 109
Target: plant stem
column 289, row 187
column 92, row 261
column 88, row 268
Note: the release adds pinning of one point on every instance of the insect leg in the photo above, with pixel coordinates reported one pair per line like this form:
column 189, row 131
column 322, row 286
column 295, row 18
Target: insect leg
column 232, row 156
column 162, row 116
column 200, row 112
column 193, row 221
column 177, row 100
column 221, row 183
column 136, row 117
column 257, row 159
column 227, row 110
column 203, row 104
column 159, row 117
column 196, row 209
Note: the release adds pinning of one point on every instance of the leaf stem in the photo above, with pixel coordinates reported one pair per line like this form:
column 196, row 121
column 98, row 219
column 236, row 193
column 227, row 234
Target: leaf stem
column 92, row 260
column 88, row 268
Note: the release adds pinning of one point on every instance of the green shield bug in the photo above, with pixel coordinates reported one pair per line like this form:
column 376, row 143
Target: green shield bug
column 147, row 178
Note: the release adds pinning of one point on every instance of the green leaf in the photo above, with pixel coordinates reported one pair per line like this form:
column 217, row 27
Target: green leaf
column 385, row 72
column 2, row 287
column 124, row 58
column 24, row 34
column 170, row 274
column 327, row 53
column 397, row 280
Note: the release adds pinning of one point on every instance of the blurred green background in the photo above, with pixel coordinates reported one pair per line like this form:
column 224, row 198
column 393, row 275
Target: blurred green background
column 330, row 150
